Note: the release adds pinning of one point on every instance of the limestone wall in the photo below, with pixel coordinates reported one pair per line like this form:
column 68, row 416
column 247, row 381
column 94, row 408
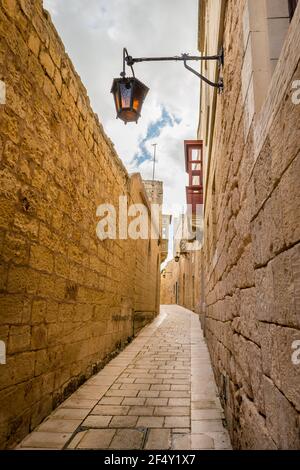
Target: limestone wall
column 252, row 213
column 67, row 299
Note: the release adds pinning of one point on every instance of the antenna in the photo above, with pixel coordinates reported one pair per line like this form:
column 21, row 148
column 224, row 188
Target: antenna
column 154, row 160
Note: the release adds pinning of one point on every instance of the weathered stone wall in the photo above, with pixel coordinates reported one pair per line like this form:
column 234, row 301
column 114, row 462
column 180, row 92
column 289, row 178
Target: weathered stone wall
column 251, row 249
column 67, row 299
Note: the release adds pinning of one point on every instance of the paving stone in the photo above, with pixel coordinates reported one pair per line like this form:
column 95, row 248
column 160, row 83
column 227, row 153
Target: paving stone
column 179, row 402
column 149, row 393
column 96, row 439
column 76, row 439
column 206, row 414
column 123, row 422
column 136, row 387
column 137, row 401
column 111, row 400
column 221, row 440
column 158, row 439
column 148, row 381
column 89, row 394
column 127, row 439
column 47, row 440
column 108, row 410
column 69, row 413
column 181, row 430
column 90, row 387
column 174, row 394
column 96, row 421
column 141, row 410
column 177, row 422
column 160, row 387
column 79, row 403
column 59, row 425
column 201, row 442
column 172, row 411
column 156, row 401
column 181, row 441
column 174, row 381
column 206, row 404
column 125, row 380
column 121, row 393
column 183, row 387
column 115, row 386
column 150, row 422
column 202, row 426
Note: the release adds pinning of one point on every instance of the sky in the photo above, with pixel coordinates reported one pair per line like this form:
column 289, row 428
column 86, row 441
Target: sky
column 94, row 33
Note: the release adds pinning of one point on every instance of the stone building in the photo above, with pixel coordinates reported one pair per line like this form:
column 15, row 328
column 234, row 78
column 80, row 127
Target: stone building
column 181, row 282
column 165, row 229
column 182, row 279
column 248, row 294
column 251, row 245
column 68, row 300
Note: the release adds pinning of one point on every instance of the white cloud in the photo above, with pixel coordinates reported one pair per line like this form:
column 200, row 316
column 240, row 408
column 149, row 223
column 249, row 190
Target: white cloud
column 94, row 33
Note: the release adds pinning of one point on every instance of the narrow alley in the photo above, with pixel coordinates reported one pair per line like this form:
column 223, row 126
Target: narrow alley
column 159, row 393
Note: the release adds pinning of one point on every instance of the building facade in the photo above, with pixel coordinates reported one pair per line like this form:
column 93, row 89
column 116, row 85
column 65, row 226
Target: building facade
column 181, row 282
column 251, row 250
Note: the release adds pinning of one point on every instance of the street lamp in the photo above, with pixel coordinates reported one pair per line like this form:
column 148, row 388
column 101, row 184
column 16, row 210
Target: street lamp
column 129, row 92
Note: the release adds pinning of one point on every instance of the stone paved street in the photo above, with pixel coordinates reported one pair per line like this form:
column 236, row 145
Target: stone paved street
column 159, row 393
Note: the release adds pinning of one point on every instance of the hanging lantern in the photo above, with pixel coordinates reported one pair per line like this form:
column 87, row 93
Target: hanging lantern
column 129, row 94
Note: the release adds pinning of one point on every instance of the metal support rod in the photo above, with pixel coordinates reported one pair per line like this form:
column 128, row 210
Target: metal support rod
column 218, row 85
column 130, row 61
column 133, row 60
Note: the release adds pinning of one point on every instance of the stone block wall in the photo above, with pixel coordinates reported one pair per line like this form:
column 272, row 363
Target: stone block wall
column 67, row 299
column 252, row 231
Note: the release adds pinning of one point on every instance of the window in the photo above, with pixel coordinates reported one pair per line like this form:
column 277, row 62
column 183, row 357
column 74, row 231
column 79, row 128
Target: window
column 196, row 166
column 196, row 155
column 196, row 181
column 292, row 7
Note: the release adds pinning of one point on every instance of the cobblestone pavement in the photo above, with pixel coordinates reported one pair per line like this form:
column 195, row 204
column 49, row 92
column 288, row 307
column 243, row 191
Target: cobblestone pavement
column 159, row 393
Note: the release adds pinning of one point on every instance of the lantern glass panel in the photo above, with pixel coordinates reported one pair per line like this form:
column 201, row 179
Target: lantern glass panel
column 138, row 97
column 126, row 92
column 117, row 99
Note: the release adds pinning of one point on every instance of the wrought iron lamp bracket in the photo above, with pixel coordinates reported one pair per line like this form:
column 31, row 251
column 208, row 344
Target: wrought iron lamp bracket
column 130, row 61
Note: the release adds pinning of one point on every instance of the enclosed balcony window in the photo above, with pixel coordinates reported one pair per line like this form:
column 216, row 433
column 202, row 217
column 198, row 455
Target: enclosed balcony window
column 196, row 166
column 196, row 181
column 196, row 156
